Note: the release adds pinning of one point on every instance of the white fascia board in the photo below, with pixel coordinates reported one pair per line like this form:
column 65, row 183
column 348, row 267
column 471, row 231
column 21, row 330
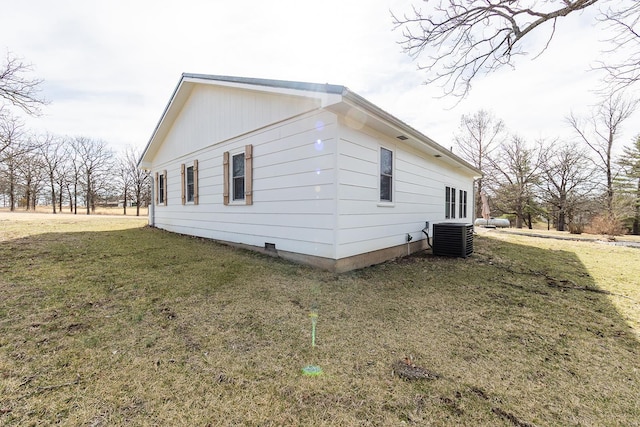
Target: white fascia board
column 325, row 98
column 178, row 96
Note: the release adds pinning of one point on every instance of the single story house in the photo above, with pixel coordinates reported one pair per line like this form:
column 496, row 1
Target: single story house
column 311, row 172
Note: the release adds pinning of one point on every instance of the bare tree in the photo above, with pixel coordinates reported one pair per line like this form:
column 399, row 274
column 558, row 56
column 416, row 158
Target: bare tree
column 461, row 39
column 124, row 179
column 625, row 43
column 599, row 133
column 32, row 173
column 53, row 153
column 94, row 160
column 13, row 144
column 12, row 136
column 136, row 179
column 568, row 180
column 18, row 88
column 72, row 181
column 10, row 177
column 517, row 170
column 478, row 136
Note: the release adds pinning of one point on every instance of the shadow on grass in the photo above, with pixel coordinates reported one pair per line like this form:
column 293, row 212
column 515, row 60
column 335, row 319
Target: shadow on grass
column 141, row 325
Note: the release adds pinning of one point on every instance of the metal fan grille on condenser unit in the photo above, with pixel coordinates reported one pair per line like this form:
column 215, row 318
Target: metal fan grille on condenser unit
column 453, row 239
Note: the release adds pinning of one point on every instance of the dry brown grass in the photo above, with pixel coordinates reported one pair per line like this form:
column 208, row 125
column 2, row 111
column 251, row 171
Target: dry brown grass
column 131, row 211
column 104, row 322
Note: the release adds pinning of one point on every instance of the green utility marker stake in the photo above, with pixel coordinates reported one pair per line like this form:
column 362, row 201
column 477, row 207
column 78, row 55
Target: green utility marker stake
column 314, row 319
column 312, row 370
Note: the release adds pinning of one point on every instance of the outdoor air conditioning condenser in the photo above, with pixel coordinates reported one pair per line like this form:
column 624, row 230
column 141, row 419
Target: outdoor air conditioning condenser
column 453, row 239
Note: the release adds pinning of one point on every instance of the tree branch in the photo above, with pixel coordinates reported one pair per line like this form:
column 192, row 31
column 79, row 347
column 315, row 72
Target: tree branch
column 466, row 38
column 18, row 89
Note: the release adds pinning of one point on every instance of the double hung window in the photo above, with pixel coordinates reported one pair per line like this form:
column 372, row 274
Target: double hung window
column 161, row 188
column 238, row 177
column 463, row 204
column 449, row 202
column 189, row 183
column 386, row 175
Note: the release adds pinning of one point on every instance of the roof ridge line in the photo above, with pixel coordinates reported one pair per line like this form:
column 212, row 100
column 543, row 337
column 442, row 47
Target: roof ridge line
column 285, row 84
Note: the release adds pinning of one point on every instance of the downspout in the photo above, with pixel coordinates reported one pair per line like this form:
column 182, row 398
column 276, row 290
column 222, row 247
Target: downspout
column 152, row 203
column 473, row 197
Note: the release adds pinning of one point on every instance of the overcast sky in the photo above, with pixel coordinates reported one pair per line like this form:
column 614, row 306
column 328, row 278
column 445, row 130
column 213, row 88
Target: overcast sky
column 110, row 66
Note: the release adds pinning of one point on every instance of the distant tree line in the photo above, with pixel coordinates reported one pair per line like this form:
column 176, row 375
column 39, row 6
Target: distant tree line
column 70, row 174
column 67, row 173
column 569, row 184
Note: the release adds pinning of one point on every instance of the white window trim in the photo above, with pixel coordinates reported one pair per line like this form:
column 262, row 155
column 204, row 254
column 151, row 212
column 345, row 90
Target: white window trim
column 463, row 207
column 162, row 190
column 233, row 201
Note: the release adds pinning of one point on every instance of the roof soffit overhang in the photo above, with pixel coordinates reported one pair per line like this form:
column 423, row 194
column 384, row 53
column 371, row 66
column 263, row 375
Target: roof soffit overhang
column 387, row 124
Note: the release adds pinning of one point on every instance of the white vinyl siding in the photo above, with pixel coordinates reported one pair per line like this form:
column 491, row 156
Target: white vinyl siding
column 365, row 224
column 214, row 114
column 293, row 190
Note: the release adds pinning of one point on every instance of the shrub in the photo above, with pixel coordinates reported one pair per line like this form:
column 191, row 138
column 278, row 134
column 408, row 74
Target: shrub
column 606, row 224
column 576, row 228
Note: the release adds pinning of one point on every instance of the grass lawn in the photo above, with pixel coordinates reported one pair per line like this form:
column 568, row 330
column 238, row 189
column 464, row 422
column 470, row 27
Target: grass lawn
column 105, row 322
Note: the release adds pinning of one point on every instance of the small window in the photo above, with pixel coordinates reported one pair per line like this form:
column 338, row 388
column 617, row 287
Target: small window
column 237, row 177
column 190, row 185
column 386, row 175
column 449, row 202
column 463, row 204
column 161, row 188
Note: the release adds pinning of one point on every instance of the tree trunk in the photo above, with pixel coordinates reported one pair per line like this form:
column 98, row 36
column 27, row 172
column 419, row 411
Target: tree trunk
column 60, row 197
column 610, row 189
column 562, row 206
column 561, row 221
column 124, row 203
column 27, row 195
column 12, row 193
column 519, row 218
column 479, row 199
column 75, row 198
column 88, row 197
column 53, row 195
column 636, row 220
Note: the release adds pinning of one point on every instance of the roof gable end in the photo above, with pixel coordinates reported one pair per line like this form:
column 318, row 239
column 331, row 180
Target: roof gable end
column 322, row 95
